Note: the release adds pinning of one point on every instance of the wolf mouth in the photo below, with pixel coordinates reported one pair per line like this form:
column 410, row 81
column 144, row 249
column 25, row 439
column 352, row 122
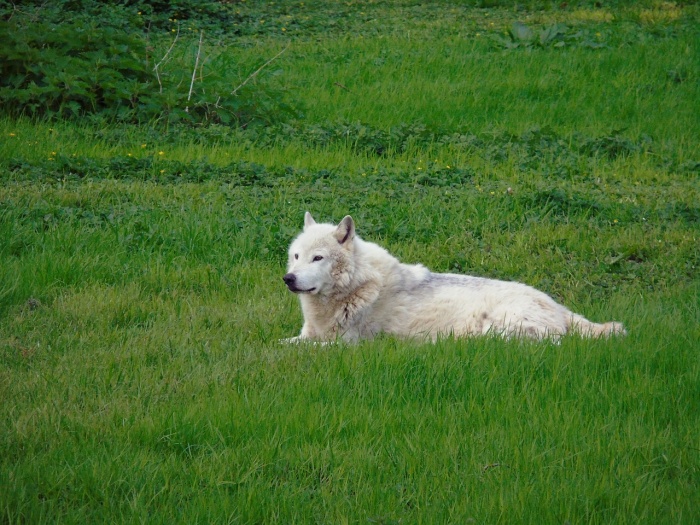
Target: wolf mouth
column 294, row 289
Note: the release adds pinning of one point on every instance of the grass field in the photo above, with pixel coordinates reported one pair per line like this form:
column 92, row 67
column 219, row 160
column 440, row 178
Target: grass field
column 141, row 299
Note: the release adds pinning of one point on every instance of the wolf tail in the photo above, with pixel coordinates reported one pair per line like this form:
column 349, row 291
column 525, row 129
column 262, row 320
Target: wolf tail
column 586, row 328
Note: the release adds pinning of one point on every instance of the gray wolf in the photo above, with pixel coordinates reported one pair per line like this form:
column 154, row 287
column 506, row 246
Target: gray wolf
column 351, row 289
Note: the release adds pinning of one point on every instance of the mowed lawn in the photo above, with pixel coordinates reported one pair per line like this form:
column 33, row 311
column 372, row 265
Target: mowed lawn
column 141, row 302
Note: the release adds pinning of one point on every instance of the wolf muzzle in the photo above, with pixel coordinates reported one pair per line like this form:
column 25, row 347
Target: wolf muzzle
column 291, row 281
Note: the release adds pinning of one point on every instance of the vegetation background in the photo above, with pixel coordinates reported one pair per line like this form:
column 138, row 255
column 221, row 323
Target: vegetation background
column 156, row 159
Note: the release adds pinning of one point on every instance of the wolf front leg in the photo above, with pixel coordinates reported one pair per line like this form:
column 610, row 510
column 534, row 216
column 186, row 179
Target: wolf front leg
column 310, row 334
column 305, row 335
column 305, row 339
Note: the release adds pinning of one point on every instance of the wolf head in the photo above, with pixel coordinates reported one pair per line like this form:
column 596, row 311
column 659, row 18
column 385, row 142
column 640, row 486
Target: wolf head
column 320, row 258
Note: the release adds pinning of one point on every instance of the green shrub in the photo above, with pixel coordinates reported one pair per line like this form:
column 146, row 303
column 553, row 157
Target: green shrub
column 56, row 66
column 156, row 13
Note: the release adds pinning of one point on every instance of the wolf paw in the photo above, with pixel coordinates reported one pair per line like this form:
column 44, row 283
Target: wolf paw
column 304, row 340
column 291, row 340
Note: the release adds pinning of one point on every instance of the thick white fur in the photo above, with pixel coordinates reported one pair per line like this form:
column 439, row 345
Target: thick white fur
column 353, row 289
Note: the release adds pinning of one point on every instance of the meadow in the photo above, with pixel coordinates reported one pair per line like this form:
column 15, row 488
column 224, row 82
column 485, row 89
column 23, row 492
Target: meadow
column 141, row 299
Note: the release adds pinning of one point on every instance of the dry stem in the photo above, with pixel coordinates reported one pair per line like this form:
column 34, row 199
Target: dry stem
column 194, row 71
column 155, row 68
column 259, row 70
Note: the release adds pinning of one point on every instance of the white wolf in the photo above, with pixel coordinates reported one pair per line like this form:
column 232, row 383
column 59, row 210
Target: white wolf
column 352, row 289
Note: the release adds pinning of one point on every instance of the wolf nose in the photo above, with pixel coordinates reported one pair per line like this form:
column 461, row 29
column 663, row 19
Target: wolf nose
column 289, row 278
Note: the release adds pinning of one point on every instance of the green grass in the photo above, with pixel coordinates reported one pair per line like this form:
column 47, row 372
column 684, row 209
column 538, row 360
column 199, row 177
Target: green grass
column 141, row 300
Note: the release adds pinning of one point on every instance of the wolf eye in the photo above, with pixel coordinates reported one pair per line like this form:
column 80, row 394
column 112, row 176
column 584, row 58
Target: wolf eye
column 296, row 255
column 317, row 258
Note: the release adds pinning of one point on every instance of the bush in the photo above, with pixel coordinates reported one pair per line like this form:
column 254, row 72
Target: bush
column 71, row 66
column 155, row 13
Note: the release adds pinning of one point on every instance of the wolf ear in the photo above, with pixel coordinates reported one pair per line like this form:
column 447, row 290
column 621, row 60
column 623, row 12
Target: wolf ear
column 308, row 220
column 346, row 230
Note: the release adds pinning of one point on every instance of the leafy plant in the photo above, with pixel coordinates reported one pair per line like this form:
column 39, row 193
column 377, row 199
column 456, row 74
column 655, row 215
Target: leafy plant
column 555, row 35
column 613, row 145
